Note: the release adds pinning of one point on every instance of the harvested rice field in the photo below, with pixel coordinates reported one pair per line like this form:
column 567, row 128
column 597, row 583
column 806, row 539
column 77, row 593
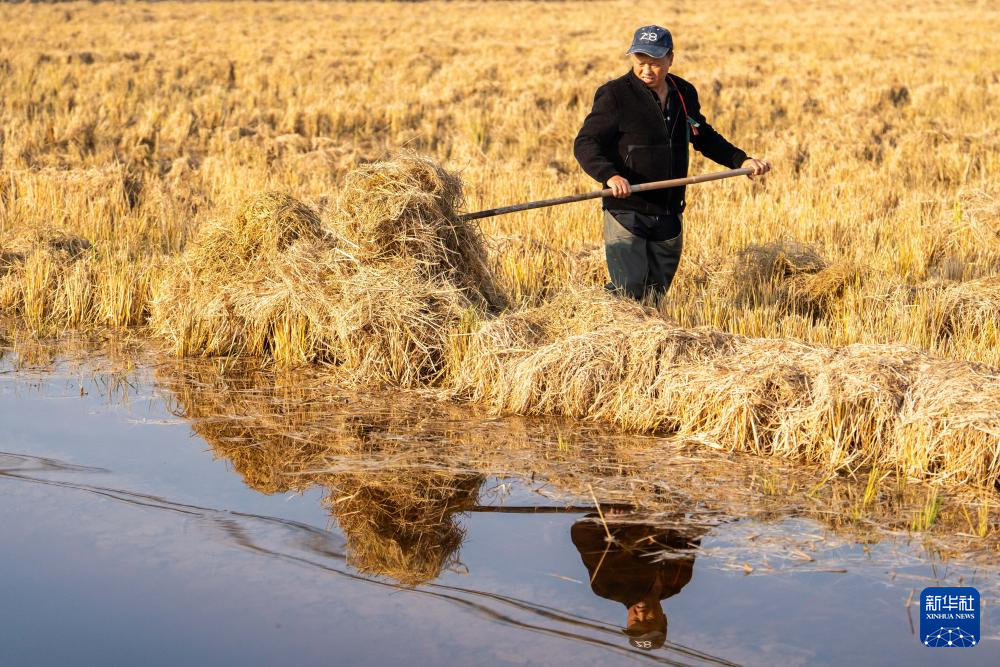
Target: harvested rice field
column 256, row 365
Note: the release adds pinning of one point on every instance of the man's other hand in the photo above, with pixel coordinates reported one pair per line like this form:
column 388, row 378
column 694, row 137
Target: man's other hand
column 620, row 187
column 757, row 167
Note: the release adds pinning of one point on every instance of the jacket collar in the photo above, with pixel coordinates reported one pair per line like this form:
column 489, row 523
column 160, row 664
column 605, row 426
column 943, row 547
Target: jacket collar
column 649, row 103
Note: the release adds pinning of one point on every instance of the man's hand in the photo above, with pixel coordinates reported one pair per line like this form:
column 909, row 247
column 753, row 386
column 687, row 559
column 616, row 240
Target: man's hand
column 619, row 187
column 759, row 167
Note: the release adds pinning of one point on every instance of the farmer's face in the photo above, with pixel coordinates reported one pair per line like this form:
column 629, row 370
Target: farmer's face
column 647, row 610
column 652, row 71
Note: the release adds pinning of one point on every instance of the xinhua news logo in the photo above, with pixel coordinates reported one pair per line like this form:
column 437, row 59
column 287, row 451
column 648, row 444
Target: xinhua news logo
column 949, row 616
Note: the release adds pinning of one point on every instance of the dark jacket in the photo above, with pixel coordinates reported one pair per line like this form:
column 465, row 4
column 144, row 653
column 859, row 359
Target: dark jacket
column 627, row 569
column 626, row 134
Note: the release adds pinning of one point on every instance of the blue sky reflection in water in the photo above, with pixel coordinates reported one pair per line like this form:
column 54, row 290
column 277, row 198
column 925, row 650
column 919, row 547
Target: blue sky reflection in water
column 126, row 541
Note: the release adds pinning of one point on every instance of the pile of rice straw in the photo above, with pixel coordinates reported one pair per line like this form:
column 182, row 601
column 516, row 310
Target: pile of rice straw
column 395, row 289
column 590, row 355
column 377, row 293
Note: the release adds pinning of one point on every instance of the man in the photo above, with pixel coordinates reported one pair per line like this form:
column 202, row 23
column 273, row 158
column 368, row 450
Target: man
column 639, row 131
column 639, row 566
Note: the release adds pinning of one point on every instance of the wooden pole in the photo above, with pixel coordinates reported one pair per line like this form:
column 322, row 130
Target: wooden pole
column 641, row 187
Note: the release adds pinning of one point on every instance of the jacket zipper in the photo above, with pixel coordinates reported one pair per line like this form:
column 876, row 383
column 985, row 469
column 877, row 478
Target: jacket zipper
column 659, row 112
column 670, row 134
column 669, row 131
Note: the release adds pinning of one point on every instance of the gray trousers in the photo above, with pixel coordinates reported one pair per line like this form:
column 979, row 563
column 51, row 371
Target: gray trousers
column 638, row 266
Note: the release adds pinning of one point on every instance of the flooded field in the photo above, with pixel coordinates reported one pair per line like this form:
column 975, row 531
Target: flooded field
column 199, row 513
column 765, row 466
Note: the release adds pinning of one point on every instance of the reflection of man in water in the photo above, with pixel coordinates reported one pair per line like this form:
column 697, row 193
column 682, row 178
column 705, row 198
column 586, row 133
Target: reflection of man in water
column 633, row 569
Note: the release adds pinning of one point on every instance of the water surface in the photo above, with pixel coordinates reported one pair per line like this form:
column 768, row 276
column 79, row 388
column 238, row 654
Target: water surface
column 135, row 535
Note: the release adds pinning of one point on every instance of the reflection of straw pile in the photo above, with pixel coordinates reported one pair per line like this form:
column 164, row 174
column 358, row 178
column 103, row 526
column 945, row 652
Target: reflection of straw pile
column 399, row 468
column 258, row 447
column 400, row 524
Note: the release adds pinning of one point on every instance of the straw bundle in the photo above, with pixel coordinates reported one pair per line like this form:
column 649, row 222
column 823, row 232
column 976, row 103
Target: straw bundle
column 973, row 307
column 273, row 282
column 406, row 208
column 965, row 241
column 949, row 425
column 790, row 275
column 264, row 228
column 844, row 407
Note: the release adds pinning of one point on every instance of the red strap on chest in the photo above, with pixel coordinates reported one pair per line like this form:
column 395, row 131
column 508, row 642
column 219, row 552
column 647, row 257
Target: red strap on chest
column 690, row 121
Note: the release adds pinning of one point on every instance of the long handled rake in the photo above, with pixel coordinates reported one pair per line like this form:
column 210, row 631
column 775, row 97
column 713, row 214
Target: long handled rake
column 641, row 187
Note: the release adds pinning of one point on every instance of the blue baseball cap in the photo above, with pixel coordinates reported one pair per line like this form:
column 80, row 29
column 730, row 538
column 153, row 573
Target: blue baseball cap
column 652, row 40
column 648, row 641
